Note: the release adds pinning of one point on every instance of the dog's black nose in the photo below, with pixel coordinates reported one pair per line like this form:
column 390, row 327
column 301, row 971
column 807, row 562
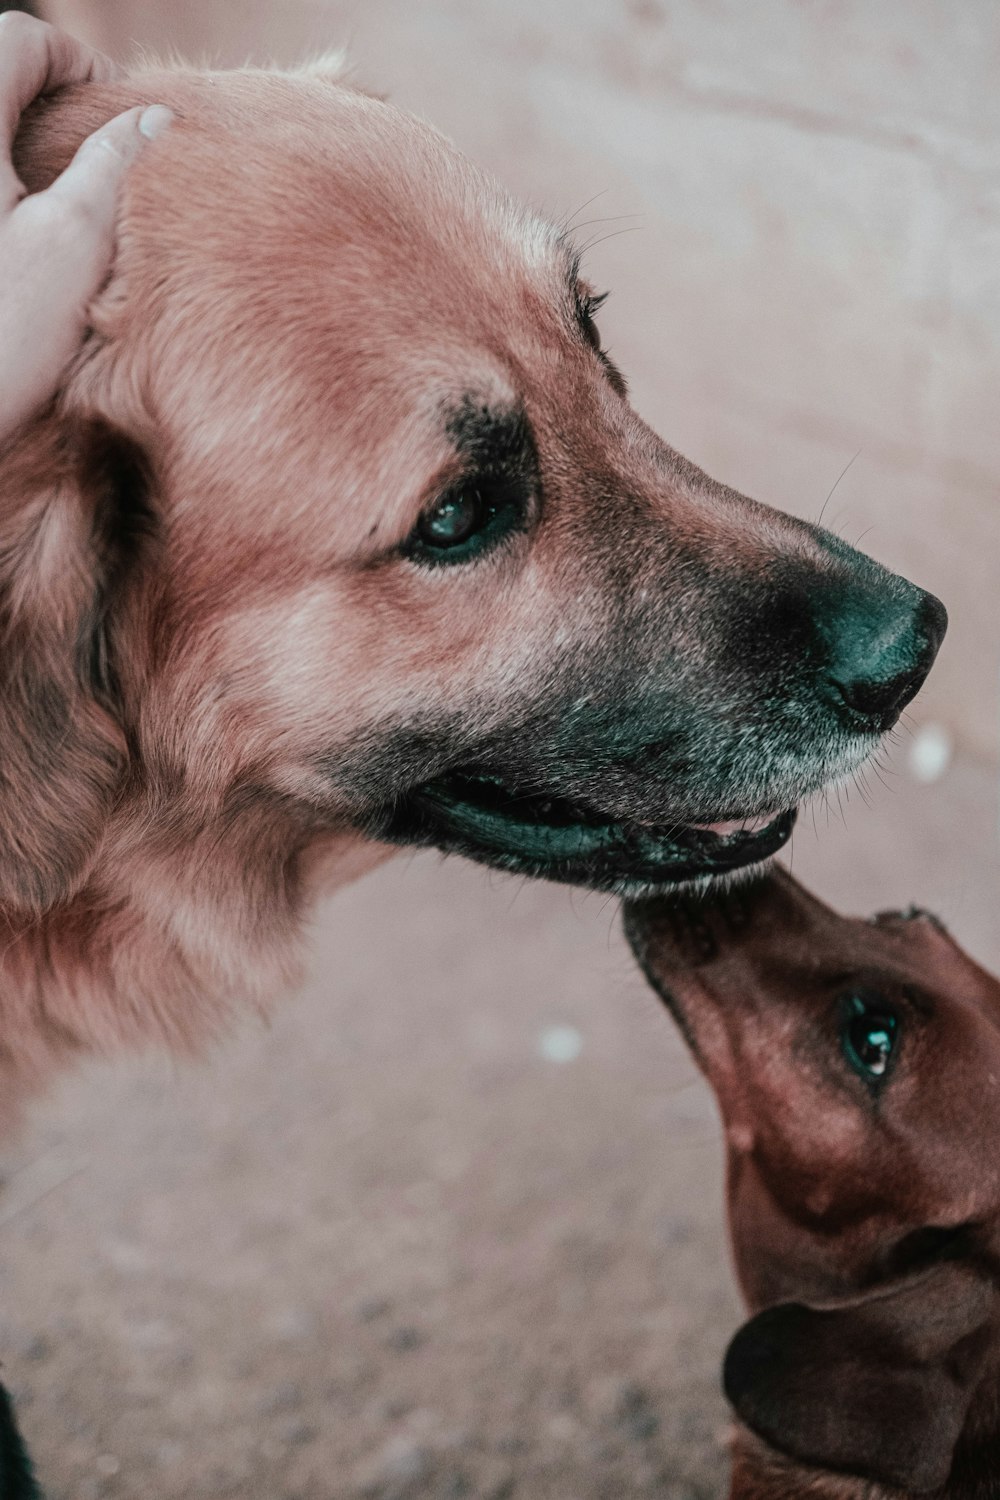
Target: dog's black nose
column 879, row 658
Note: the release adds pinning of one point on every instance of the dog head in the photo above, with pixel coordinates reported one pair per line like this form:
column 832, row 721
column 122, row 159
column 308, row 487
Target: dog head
column 344, row 507
column 857, row 1069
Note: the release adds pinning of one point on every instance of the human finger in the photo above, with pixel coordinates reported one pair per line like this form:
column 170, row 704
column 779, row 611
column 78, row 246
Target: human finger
column 36, row 58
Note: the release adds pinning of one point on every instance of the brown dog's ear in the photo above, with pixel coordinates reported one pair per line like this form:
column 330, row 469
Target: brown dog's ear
column 877, row 1387
column 67, row 531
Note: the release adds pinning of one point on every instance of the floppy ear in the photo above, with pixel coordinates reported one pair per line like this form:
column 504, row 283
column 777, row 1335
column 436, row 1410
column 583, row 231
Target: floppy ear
column 67, row 501
column 878, row 1387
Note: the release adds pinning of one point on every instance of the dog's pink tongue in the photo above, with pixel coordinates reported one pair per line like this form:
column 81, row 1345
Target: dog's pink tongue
column 728, row 826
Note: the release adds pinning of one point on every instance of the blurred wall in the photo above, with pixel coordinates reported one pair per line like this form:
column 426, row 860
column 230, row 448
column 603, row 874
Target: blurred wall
column 809, row 276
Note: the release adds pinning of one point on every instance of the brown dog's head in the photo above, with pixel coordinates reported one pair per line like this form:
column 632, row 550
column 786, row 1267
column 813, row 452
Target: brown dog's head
column 857, row 1069
column 344, row 511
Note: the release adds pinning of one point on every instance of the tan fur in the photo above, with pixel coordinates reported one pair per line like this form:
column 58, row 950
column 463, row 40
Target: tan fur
column 177, row 908
column 304, row 276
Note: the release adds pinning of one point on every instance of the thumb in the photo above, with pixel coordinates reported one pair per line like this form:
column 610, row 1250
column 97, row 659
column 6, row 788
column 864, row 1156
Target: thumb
column 92, row 179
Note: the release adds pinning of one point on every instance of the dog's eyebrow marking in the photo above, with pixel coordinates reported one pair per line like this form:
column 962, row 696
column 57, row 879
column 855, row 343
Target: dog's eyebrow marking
column 491, row 437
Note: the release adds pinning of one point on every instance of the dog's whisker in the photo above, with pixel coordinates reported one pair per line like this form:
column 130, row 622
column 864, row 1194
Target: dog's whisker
column 600, row 240
column 863, row 790
column 850, row 462
column 606, row 219
column 567, row 224
column 842, row 796
column 882, row 780
column 610, row 903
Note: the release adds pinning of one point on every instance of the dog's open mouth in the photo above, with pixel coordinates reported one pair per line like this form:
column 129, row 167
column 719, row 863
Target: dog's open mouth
column 558, row 839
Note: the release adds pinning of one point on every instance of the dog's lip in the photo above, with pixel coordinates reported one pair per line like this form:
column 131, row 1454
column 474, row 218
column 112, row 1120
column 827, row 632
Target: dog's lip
column 559, row 838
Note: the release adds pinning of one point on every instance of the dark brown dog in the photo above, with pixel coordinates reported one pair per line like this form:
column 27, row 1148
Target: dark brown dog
column 857, row 1069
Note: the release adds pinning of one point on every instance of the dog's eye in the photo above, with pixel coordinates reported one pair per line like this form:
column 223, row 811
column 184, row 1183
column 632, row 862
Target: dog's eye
column 589, row 327
column 454, row 520
column 465, row 522
column 587, row 306
column 869, row 1033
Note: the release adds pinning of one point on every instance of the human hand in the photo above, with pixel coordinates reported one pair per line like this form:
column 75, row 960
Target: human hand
column 56, row 246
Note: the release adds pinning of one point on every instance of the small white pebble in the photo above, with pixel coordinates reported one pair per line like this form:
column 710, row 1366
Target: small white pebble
column 930, row 753
column 560, row 1044
column 107, row 1464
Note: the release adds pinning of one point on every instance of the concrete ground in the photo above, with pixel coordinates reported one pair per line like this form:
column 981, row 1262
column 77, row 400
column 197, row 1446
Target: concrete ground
column 450, row 1225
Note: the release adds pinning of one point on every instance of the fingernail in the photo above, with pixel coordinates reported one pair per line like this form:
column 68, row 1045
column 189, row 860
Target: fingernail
column 154, row 120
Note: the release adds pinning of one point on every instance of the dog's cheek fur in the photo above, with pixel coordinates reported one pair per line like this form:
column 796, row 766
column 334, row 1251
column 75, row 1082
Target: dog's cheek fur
column 62, row 750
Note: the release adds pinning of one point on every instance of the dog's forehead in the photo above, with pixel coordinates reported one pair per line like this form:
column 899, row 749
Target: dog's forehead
column 296, row 154
column 421, row 174
column 358, row 239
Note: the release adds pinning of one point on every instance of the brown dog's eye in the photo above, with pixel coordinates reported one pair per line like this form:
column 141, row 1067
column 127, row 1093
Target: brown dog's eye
column 868, row 1036
column 467, row 521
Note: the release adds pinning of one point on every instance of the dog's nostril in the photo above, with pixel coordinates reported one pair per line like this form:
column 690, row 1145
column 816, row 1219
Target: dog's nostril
column 878, row 666
column 873, row 699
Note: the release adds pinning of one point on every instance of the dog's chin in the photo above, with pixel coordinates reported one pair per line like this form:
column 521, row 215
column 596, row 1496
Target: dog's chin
column 553, row 838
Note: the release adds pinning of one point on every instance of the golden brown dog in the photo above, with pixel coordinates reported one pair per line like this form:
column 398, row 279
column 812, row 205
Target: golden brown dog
column 342, row 534
column 857, row 1069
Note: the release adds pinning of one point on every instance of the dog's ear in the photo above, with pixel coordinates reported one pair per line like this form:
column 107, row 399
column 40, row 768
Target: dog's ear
column 877, row 1387
column 68, row 506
